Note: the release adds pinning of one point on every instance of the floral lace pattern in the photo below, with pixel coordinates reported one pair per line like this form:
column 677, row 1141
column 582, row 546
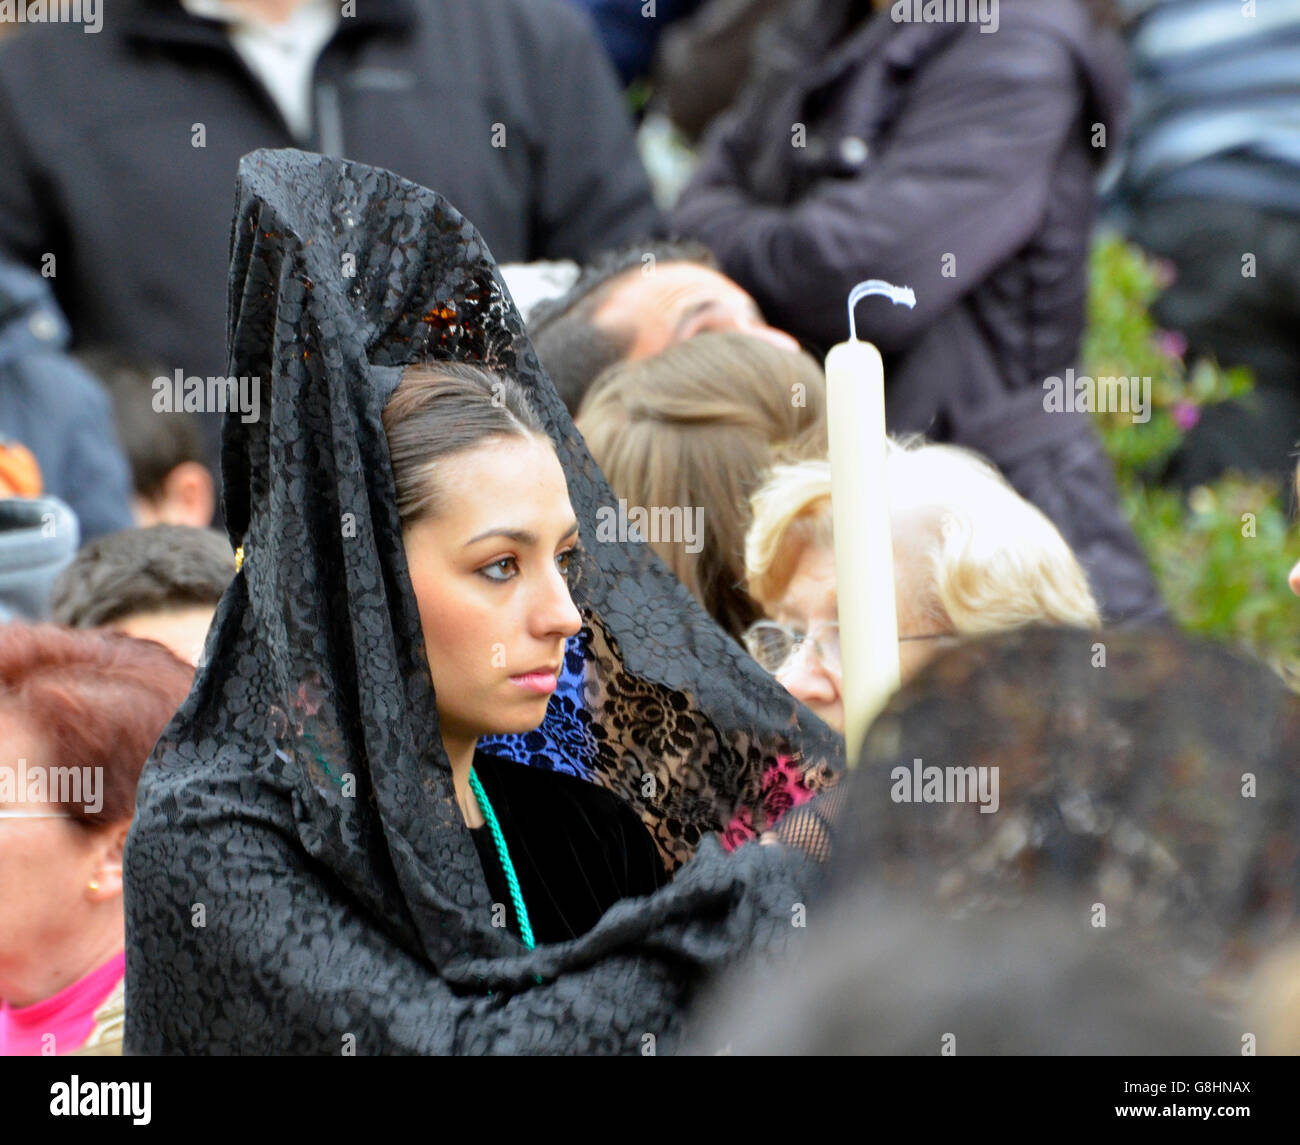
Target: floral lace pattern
column 784, row 789
column 1151, row 773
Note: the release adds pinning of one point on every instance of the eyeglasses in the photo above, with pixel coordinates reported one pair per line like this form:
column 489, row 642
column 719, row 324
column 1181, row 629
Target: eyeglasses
column 776, row 647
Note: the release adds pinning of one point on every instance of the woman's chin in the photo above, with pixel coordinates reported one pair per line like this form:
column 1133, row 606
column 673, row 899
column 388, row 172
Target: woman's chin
column 526, row 715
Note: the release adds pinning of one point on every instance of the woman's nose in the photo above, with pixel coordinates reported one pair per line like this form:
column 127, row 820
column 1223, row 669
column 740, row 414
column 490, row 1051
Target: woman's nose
column 556, row 613
column 806, row 678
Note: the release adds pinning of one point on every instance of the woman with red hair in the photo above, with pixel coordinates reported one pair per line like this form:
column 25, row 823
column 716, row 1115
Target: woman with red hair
column 79, row 714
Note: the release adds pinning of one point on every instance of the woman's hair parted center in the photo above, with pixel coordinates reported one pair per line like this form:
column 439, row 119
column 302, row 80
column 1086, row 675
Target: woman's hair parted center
column 442, row 408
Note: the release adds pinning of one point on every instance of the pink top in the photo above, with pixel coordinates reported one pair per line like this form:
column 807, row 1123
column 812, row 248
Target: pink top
column 69, row 1015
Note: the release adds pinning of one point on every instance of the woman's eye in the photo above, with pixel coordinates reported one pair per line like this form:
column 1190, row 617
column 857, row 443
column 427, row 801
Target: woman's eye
column 501, row 570
column 564, row 560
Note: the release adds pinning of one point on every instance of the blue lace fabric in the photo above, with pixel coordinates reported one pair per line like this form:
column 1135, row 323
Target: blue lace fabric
column 562, row 742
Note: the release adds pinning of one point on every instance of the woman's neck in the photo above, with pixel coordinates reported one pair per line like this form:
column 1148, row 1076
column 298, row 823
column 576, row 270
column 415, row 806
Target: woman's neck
column 50, row 971
column 460, row 753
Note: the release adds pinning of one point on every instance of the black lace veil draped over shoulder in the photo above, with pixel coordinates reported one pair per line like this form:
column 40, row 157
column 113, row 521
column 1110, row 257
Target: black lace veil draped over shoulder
column 1149, row 771
column 298, row 872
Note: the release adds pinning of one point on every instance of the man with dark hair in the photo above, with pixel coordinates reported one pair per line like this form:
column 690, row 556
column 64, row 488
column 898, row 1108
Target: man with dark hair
column 171, row 484
column 634, row 301
column 160, row 583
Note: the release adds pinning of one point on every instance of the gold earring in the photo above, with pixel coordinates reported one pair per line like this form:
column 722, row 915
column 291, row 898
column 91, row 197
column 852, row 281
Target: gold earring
column 94, row 884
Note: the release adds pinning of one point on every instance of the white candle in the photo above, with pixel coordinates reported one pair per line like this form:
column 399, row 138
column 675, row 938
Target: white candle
column 864, row 547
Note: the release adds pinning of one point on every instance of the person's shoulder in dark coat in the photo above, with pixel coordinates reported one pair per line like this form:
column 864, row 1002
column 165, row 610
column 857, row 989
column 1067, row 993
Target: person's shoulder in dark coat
column 921, row 140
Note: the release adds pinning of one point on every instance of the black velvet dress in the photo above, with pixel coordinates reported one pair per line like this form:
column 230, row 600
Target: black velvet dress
column 576, row 848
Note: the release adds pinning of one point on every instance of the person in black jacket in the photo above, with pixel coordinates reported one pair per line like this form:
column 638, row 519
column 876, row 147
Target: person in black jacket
column 121, row 148
column 961, row 164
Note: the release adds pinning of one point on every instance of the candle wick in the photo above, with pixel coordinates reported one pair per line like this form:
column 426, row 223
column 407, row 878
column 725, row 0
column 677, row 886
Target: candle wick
column 899, row 295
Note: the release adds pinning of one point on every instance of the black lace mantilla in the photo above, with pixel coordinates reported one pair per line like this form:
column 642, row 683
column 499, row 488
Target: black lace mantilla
column 300, row 879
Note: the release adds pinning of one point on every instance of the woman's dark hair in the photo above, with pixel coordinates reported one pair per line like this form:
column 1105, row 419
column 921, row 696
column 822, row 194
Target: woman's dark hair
column 94, row 699
column 442, row 408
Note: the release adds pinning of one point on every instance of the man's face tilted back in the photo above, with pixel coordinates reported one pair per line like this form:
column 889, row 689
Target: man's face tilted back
column 674, row 301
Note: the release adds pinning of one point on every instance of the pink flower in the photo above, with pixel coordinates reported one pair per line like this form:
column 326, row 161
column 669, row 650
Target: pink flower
column 1171, row 343
column 1186, row 415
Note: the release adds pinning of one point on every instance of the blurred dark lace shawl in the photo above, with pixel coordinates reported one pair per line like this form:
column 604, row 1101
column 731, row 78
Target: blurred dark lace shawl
column 1125, row 784
column 300, row 878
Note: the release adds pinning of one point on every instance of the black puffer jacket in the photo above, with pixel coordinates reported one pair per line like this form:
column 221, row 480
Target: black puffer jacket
column 959, row 163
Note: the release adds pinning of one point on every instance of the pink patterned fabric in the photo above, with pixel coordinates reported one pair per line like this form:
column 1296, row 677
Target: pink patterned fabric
column 69, row 1015
column 783, row 788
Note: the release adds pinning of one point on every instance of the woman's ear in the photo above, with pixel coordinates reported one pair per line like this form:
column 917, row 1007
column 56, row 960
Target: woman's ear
column 106, row 874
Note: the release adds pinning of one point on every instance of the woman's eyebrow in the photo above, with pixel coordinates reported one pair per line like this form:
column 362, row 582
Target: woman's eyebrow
column 520, row 536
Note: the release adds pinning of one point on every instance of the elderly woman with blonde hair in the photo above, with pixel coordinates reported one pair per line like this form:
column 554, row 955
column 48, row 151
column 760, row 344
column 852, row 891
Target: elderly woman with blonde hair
column 971, row 556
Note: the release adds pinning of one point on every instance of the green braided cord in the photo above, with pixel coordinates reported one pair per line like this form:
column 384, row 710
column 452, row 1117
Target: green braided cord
column 320, row 758
column 516, row 895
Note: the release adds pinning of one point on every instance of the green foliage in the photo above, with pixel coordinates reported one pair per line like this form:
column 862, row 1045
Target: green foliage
column 637, row 96
column 1222, row 556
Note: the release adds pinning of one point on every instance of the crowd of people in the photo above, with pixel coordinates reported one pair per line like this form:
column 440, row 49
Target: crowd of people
column 478, row 688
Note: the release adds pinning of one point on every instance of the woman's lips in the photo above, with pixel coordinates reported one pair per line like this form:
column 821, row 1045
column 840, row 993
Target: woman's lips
column 541, row 682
